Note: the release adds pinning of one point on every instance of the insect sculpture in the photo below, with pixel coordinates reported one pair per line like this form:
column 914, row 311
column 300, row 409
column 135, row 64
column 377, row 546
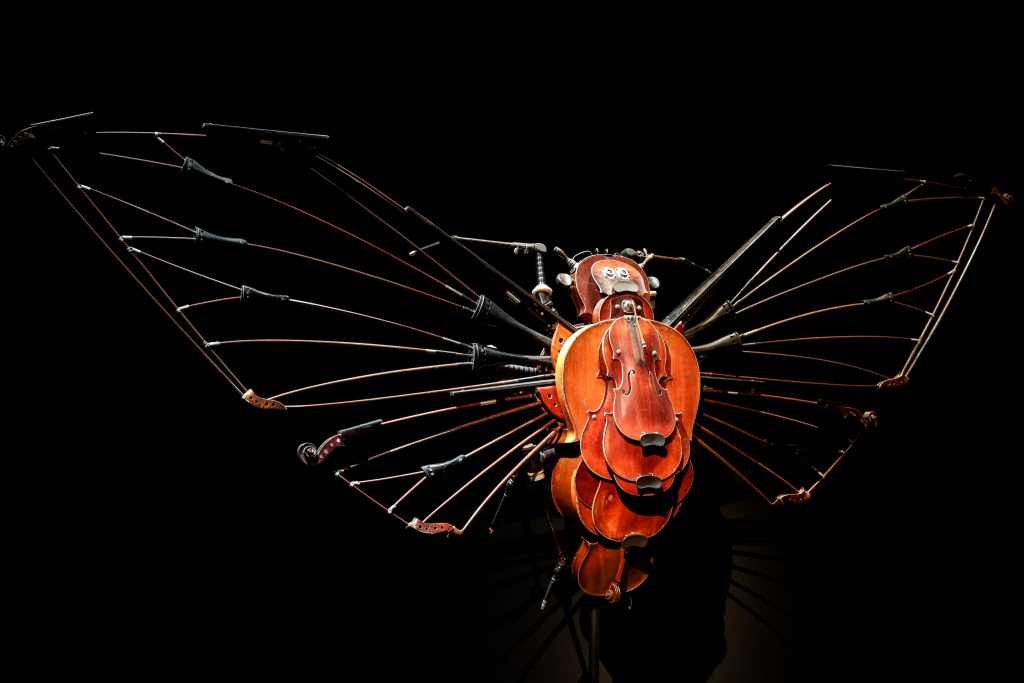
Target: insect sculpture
column 248, row 240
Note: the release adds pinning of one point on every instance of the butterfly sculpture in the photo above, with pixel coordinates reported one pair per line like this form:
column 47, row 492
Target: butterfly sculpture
column 438, row 380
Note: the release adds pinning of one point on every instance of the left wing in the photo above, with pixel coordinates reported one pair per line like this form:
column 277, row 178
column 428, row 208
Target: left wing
column 309, row 290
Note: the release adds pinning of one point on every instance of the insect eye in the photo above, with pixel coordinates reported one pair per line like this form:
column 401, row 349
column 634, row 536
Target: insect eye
column 607, row 272
column 623, row 274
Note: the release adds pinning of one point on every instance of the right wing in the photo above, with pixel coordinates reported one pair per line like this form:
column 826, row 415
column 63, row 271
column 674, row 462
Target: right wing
column 823, row 311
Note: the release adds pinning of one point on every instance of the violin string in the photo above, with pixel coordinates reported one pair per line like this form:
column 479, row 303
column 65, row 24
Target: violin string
column 750, row 435
column 372, row 375
column 149, row 133
column 765, row 413
column 736, row 300
column 195, row 337
column 785, row 380
column 354, row 236
column 154, row 214
column 917, row 247
column 343, row 311
column 734, row 470
column 139, row 252
column 400, row 234
column 941, row 278
column 522, row 463
column 176, row 167
column 364, row 274
column 207, row 302
column 830, row 337
column 464, row 406
column 947, row 294
column 746, row 456
column 742, row 294
column 352, row 176
column 417, row 248
column 849, row 226
column 419, row 482
column 371, row 499
column 423, row 478
column 447, row 432
column 817, row 359
column 303, row 212
column 196, row 235
column 411, row 394
column 495, row 463
column 168, row 146
column 808, row 283
column 339, row 342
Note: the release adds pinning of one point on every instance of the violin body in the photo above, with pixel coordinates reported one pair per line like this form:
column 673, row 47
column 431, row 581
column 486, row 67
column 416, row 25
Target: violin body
column 630, row 388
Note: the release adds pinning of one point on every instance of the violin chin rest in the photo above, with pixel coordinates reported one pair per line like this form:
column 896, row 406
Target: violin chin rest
column 634, row 541
column 652, row 440
column 648, row 484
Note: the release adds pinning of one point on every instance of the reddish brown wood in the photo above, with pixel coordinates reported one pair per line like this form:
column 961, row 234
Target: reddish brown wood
column 629, row 389
column 580, row 387
column 549, row 399
column 627, row 460
column 606, row 571
column 617, row 515
column 635, row 358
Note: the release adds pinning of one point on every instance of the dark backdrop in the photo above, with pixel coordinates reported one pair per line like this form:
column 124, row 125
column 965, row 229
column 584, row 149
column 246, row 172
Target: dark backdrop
column 153, row 518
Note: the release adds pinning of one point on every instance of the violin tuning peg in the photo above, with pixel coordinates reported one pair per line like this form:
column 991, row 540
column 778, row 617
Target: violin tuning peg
column 571, row 262
column 653, row 282
column 564, row 279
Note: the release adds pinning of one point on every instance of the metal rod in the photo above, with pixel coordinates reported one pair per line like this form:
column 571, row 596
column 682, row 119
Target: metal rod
column 934, row 322
column 817, row 359
column 753, row 378
column 808, row 283
column 477, row 404
column 145, row 161
column 233, row 382
column 449, row 431
column 535, row 307
column 688, row 306
column 749, row 458
column 334, row 342
column 729, row 425
column 739, row 296
column 154, row 214
column 526, row 458
column 149, row 132
column 366, row 316
column 416, row 249
column 411, row 394
column 735, row 471
column 494, row 464
column 832, row 337
column 372, row 375
column 765, row 413
column 343, row 231
column 820, row 244
column 360, row 273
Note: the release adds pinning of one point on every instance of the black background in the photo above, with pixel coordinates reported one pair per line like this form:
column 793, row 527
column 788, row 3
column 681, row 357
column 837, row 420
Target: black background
column 152, row 518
